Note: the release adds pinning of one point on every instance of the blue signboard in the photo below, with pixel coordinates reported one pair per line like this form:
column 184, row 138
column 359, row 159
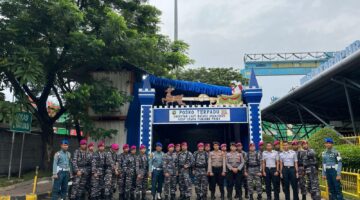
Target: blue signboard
column 200, row 115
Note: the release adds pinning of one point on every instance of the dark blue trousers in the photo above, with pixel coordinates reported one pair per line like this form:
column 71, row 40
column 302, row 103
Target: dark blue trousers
column 334, row 185
column 157, row 180
column 60, row 185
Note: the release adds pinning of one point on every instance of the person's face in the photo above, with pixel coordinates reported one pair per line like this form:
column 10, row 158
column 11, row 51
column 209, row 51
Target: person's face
column 91, row 148
column 184, row 147
column 178, row 148
column 64, row 147
column 252, row 148
column 223, row 148
column 158, row 148
column 239, row 147
column 286, row 146
column 115, row 150
column 83, row 147
column 171, row 149
column 295, row 147
column 133, row 151
column 268, row 147
column 233, row 148
column 328, row 145
column 126, row 150
column 277, row 146
column 207, row 148
column 305, row 145
column 201, row 148
column 101, row 148
column 216, row 147
column 143, row 150
column 261, row 147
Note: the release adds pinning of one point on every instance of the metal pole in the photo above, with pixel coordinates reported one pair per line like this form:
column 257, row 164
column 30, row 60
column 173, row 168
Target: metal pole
column 350, row 108
column 175, row 20
column 21, row 154
column 11, row 154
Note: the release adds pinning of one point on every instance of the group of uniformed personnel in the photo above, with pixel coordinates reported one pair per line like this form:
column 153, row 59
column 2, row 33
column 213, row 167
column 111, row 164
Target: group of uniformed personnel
column 101, row 173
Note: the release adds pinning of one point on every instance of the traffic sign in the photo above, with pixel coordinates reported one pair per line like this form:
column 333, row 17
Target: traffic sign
column 22, row 122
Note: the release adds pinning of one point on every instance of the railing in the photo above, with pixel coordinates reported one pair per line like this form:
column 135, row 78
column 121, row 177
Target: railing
column 350, row 183
column 353, row 139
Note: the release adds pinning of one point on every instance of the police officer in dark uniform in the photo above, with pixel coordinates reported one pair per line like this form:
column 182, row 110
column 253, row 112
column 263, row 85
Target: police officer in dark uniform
column 216, row 170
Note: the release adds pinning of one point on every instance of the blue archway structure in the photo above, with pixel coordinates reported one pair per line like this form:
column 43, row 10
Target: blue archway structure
column 152, row 113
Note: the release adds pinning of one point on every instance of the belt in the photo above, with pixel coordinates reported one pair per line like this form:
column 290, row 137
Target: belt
column 331, row 167
column 289, row 167
column 157, row 168
column 64, row 170
column 271, row 167
column 217, row 167
column 254, row 165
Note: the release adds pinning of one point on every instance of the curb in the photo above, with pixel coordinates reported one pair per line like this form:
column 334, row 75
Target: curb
column 26, row 197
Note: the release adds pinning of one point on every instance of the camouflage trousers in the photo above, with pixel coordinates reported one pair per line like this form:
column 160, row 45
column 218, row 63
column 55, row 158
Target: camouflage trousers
column 121, row 183
column 97, row 186
column 79, row 183
column 170, row 185
column 314, row 187
column 130, row 182
column 254, row 180
column 201, row 181
column 302, row 180
column 109, row 182
column 142, row 183
column 185, row 183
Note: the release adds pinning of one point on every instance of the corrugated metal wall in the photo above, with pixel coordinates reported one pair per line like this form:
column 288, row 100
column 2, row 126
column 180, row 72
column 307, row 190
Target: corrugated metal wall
column 123, row 81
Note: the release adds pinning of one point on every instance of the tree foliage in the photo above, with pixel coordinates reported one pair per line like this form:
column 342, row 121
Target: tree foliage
column 50, row 48
column 215, row 76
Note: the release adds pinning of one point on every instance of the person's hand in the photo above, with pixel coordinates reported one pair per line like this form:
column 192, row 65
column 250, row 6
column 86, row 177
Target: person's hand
column 186, row 166
column 276, row 173
column 149, row 174
column 281, row 176
column 338, row 178
column 78, row 173
column 177, row 173
column 167, row 174
column 151, row 155
column 324, row 177
column 210, row 174
column 117, row 173
column 95, row 175
column 264, row 174
column 223, row 174
column 245, row 174
column 55, row 176
column 235, row 170
column 297, row 175
column 139, row 177
column 259, row 174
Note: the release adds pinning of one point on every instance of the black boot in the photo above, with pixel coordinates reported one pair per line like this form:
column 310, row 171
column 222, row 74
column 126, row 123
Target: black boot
column 229, row 194
column 251, row 197
column 172, row 197
column 143, row 196
column 198, row 197
column 137, row 196
column 222, row 196
column 246, row 194
column 212, row 195
column 304, row 197
column 259, row 197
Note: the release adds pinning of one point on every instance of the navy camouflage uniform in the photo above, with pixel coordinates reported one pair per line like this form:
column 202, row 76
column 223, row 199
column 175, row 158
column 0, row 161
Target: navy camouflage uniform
column 331, row 168
column 200, row 171
column 98, row 168
column 80, row 163
column 311, row 170
column 142, row 167
column 185, row 161
column 302, row 174
column 170, row 167
column 253, row 168
column 121, row 158
column 109, row 174
column 130, row 171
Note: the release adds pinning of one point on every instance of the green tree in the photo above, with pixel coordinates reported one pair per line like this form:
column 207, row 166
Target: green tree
column 316, row 141
column 50, row 48
column 215, row 76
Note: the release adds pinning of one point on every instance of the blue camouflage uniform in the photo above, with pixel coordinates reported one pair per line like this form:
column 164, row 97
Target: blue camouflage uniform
column 61, row 168
column 331, row 168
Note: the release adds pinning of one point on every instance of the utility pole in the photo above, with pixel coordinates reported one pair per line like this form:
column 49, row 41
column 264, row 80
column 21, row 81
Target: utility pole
column 175, row 20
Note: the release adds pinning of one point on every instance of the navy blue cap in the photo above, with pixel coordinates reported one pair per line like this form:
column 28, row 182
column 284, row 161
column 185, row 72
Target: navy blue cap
column 329, row 140
column 64, row 141
column 158, row 144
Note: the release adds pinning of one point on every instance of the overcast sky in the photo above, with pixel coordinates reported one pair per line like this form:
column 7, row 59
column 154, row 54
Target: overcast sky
column 219, row 32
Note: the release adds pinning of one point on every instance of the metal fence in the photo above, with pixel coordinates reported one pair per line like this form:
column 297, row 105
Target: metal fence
column 350, row 183
column 353, row 139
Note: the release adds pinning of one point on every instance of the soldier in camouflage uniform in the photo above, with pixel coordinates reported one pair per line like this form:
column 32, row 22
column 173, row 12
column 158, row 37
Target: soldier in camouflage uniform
column 239, row 148
column 253, row 172
column 185, row 162
column 142, row 171
column 98, row 166
column 130, row 171
column 311, row 170
column 90, row 149
column 177, row 151
column 170, row 172
column 111, row 171
column 301, row 169
column 234, row 175
column 200, row 172
column 121, row 170
column 81, row 171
